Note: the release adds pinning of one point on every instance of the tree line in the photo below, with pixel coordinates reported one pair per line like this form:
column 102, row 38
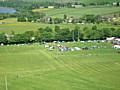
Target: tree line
column 59, row 34
column 24, row 5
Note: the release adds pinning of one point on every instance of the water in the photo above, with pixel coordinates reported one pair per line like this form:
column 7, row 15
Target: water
column 7, row 10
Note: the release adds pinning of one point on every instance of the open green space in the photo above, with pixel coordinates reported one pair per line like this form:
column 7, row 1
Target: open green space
column 79, row 12
column 33, row 67
column 20, row 27
column 81, row 1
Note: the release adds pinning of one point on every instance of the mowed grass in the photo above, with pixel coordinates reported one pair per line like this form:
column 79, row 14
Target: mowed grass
column 32, row 67
column 79, row 12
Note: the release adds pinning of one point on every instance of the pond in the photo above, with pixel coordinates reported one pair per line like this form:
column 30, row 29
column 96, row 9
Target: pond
column 7, row 10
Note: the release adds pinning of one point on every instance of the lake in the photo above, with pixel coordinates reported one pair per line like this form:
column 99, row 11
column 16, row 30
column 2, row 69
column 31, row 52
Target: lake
column 7, row 10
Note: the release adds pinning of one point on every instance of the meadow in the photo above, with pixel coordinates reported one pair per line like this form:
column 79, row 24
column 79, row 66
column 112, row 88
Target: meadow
column 20, row 27
column 81, row 1
column 78, row 12
column 33, row 67
column 11, row 24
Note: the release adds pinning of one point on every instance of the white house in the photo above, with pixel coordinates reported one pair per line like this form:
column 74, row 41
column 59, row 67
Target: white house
column 77, row 6
column 51, row 7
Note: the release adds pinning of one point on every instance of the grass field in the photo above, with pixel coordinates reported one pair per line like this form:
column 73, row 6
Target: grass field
column 11, row 24
column 20, row 27
column 9, row 20
column 79, row 12
column 81, row 1
column 33, row 67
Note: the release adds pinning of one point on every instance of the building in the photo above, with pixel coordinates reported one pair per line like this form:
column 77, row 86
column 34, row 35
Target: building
column 116, row 4
column 51, row 7
column 77, row 6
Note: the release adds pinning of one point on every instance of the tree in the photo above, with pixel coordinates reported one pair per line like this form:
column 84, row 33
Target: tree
column 3, row 39
column 62, row 34
column 38, row 36
column 45, row 34
column 57, row 20
column 94, row 27
column 90, row 18
column 65, row 17
column 29, row 35
column 105, row 32
column 76, row 33
column 21, row 19
column 116, row 33
column 86, row 33
column 57, row 28
column 20, row 38
column 118, row 4
column 93, row 33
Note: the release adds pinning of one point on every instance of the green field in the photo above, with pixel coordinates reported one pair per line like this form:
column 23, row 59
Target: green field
column 81, row 1
column 79, row 12
column 11, row 24
column 33, row 67
column 20, row 27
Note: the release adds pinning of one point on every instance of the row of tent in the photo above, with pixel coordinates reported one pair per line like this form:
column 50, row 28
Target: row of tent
column 65, row 48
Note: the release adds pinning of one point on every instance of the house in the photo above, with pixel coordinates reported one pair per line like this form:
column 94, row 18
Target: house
column 107, row 18
column 48, row 20
column 41, row 7
column 70, row 20
column 116, row 4
column 77, row 6
column 51, row 7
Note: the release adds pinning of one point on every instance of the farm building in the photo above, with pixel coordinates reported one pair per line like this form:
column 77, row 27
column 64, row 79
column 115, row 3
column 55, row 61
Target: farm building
column 77, row 6
column 69, row 20
column 41, row 7
column 116, row 4
column 51, row 7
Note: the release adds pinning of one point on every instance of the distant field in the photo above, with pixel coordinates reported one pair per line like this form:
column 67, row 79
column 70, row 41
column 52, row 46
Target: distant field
column 81, row 1
column 26, row 26
column 33, row 67
column 42, row 10
column 20, row 27
column 9, row 20
column 78, row 12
